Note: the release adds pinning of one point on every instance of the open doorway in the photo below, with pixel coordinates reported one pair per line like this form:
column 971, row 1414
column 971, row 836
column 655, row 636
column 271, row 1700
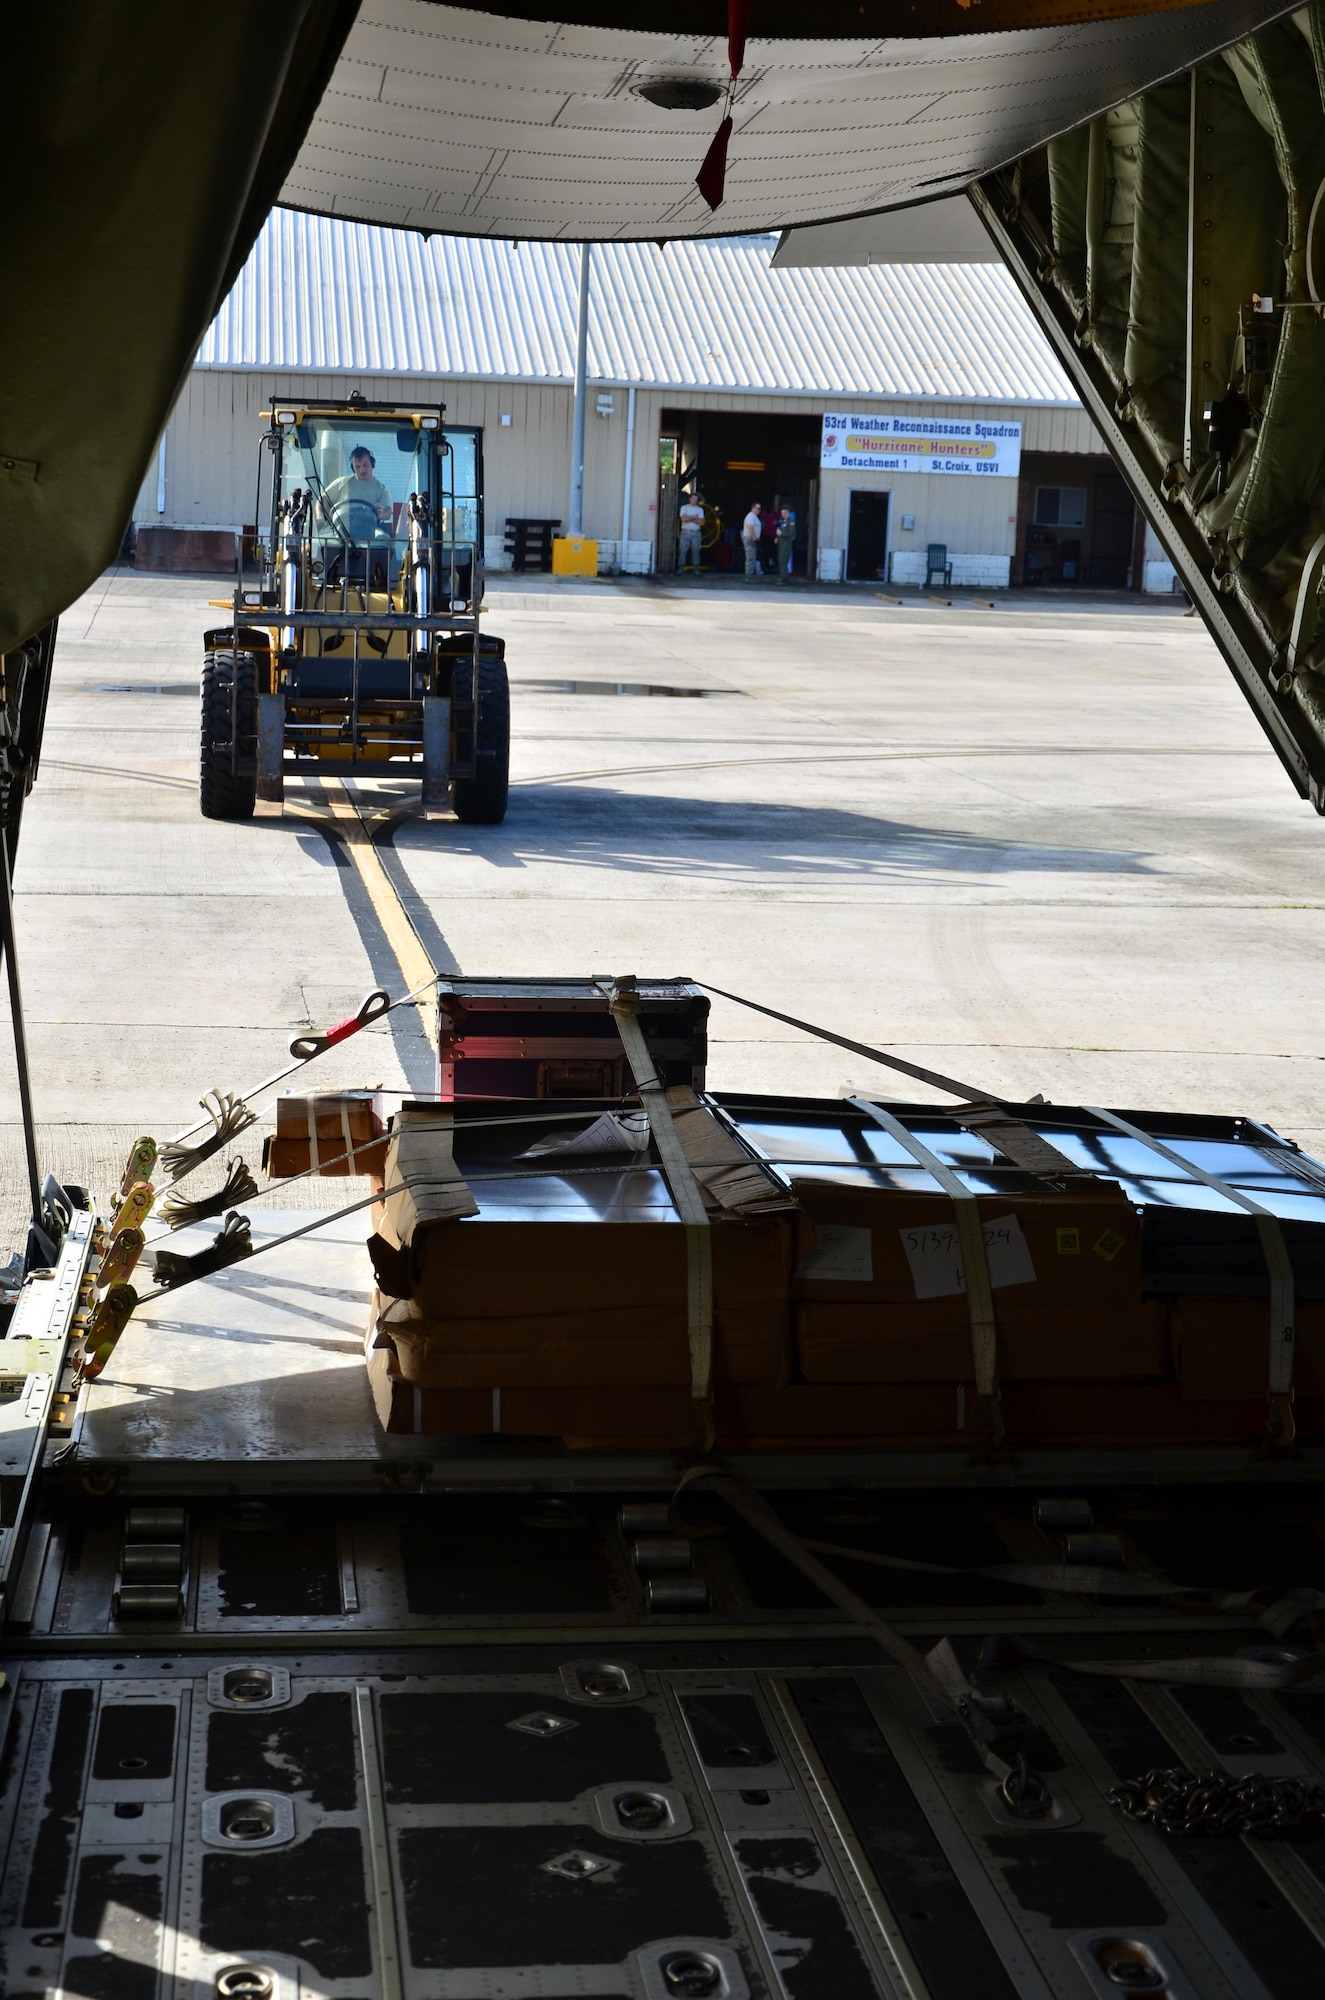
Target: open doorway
column 733, row 458
column 1077, row 523
column 867, row 537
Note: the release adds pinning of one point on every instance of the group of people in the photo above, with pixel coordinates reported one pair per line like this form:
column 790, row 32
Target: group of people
column 768, row 538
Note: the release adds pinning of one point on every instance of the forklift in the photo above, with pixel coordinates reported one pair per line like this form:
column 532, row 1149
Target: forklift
column 356, row 649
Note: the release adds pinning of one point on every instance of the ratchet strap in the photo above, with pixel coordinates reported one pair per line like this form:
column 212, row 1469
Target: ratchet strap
column 978, row 1113
column 940, row 1671
column 623, row 1000
column 975, row 1264
column 1283, row 1304
column 937, row 1676
column 378, row 1003
column 729, row 1176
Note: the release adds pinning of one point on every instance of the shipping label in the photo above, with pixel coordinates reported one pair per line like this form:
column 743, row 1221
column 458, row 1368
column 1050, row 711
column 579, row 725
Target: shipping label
column 935, row 1257
column 840, row 1254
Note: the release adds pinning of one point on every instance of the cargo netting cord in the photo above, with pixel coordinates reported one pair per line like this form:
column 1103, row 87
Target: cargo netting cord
column 623, row 1000
column 1283, row 1305
column 975, row 1262
column 117, row 1308
column 229, row 1115
column 239, row 1185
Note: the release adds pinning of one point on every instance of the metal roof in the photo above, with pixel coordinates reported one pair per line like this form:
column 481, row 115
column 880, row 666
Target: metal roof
column 323, row 296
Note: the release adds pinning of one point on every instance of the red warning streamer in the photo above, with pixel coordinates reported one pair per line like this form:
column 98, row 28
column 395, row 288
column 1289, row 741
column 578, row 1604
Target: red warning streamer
column 712, row 177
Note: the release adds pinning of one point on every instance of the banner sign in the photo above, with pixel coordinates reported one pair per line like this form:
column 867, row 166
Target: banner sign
column 921, row 444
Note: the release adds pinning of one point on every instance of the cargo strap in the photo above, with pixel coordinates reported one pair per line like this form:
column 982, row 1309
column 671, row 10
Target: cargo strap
column 228, row 1116
column 1013, row 1138
column 930, row 1076
column 975, row 1263
column 978, row 1113
column 937, row 1676
column 315, row 1160
column 1283, row 1306
column 1214, row 1670
column 1072, row 1579
column 687, row 1197
column 940, row 1669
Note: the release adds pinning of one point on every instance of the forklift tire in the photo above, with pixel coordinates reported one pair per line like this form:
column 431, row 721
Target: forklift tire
column 481, row 800
column 225, row 792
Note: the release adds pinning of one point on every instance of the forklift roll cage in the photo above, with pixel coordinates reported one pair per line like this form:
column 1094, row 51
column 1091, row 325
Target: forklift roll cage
column 359, row 613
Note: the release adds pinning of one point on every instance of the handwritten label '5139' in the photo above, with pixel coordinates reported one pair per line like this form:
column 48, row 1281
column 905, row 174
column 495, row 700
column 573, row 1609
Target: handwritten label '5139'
column 935, row 1258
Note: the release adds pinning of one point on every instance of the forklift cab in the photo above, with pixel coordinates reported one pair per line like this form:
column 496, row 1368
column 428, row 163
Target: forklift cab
column 363, row 480
column 357, row 644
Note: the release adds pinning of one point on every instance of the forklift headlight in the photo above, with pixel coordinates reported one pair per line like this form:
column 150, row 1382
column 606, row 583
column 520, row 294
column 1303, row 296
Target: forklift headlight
column 286, row 416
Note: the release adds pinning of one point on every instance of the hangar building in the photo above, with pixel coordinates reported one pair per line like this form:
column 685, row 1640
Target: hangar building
column 891, row 406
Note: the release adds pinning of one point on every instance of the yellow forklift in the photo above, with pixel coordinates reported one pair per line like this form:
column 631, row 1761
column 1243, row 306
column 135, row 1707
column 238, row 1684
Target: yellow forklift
column 355, row 647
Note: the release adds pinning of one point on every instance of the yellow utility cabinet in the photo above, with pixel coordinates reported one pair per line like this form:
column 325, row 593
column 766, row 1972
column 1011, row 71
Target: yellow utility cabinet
column 572, row 555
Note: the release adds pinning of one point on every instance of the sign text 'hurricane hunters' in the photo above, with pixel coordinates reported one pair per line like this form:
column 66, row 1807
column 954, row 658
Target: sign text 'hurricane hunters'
column 921, row 444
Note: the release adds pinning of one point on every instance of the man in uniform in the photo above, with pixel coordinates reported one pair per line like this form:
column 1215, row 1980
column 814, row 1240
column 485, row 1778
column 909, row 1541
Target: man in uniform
column 359, row 483
column 752, row 527
column 691, row 520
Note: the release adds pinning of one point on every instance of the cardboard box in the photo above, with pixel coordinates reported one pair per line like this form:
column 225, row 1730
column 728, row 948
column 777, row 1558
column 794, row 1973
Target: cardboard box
column 316, row 1128
column 910, row 1416
column 930, row 1341
column 1221, row 1347
column 888, row 1244
column 403, row 1408
column 427, row 1186
column 645, row 1345
column 331, row 1114
column 507, row 1269
column 281, row 1157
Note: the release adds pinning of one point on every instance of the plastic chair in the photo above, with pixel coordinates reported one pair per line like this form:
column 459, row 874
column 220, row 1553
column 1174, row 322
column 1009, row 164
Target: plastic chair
column 937, row 564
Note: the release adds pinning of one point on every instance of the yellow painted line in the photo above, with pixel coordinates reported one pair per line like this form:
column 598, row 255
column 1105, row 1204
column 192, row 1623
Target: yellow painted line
column 406, row 948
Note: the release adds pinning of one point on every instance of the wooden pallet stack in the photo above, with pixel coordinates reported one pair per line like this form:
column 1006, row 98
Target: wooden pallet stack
column 529, row 542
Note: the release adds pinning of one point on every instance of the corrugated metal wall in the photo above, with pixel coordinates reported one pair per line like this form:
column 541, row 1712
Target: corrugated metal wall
column 212, row 445
column 213, row 441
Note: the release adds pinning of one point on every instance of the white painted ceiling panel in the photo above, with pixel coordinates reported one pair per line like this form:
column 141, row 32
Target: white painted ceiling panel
column 448, row 118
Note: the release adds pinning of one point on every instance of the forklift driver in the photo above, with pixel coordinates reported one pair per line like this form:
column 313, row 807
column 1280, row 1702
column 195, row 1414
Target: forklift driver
column 344, row 502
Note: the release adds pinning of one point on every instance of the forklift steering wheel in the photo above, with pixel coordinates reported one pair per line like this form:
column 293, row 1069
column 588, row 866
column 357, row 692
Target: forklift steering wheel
column 355, row 520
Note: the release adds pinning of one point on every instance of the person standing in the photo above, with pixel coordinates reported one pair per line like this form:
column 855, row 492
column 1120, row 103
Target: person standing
column 691, row 518
column 786, row 543
column 768, row 544
column 752, row 527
